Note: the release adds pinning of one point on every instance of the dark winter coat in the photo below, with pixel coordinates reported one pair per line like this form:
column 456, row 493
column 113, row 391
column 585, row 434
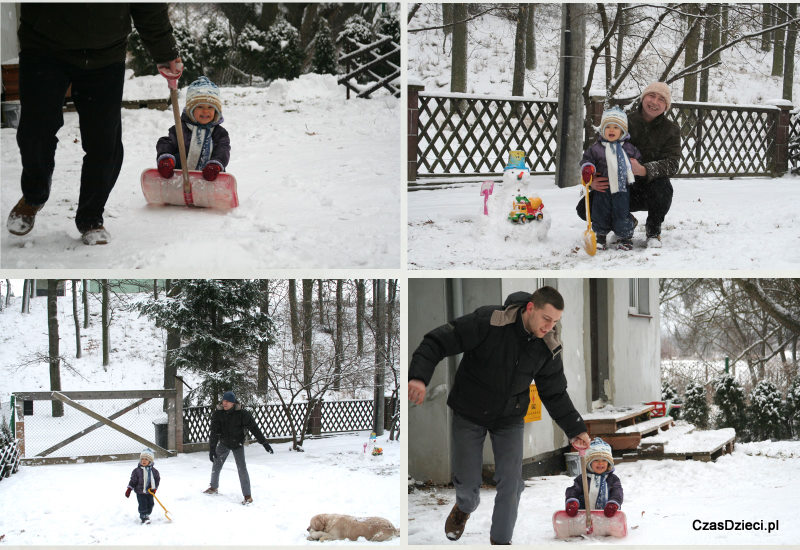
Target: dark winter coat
column 659, row 142
column 137, row 479
column 231, row 427
column 92, row 35
column 220, row 152
column 500, row 361
column 596, row 154
column 575, row 491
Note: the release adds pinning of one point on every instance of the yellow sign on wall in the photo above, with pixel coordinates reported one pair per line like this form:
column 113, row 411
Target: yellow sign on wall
column 535, row 408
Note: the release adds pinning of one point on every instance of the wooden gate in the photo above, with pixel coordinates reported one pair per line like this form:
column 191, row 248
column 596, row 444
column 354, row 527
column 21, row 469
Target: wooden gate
column 371, row 67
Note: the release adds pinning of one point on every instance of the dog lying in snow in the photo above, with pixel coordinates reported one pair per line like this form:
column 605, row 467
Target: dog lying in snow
column 339, row 527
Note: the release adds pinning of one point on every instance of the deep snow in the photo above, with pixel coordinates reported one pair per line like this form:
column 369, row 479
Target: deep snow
column 318, row 183
column 663, row 498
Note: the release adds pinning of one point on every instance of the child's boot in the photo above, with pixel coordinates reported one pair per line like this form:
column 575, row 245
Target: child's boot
column 601, row 242
column 625, row 244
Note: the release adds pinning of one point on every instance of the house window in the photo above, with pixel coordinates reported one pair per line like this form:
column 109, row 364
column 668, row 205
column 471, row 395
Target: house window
column 639, row 296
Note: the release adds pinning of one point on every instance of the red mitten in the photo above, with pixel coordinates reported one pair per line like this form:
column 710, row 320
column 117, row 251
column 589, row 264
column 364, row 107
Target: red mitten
column 572, row 508
column 610, row 509
column 587, row 172
column 128, row 493
column 166, row 167
column 211, row 171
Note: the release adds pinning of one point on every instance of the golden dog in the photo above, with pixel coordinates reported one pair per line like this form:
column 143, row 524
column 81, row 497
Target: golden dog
column 339, row 527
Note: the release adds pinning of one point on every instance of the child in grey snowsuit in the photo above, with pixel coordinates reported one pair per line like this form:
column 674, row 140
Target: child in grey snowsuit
column 605, row 488
column 208, row 146
column 144, row 477
column 610, row 156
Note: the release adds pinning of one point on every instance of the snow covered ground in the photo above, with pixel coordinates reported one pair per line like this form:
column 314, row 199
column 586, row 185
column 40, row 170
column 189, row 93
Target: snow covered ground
column 318, row 183
column 665, row 500
column 85, row 503
column 746, row 223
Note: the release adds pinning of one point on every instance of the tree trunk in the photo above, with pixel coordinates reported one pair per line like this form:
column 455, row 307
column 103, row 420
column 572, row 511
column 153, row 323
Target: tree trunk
column 530, row 39
column 788, row 58
column 379, row 294
column 458, row 70
column 155, row 289
column 339, row 345
column 321, row 301
column 76, row 318
column 308, row 297
column 308, row 24
column 447, row 19
column 263, row 347
column 690, row 55
column 518, row 84
column 360, row 307
column 8, row 292
column 706, row 50
column 725, row 11
column 713, row 18
column 777, row 51
column 391, row 303
column 173, row 344
column 85, row 298
column 293, row 321
column 766, row 22
column 26, row 302
column 106, row 322
column 607, row 56
column 52, row 333
column 570, row 100
column 621, row 34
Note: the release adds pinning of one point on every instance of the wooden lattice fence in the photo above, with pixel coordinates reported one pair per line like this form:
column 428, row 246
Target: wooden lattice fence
column 327, row 417
column 794, row 142
column 370, row 67
column 10, row 456
column 471, row 135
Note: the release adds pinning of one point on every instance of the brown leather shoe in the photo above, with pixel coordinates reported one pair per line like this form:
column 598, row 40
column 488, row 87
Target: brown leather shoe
column 247, row 500
column 22, row 216
column 456, row 521
column 210, row 491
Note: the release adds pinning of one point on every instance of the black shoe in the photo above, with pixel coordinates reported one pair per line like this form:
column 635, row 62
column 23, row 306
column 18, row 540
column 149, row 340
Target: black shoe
column 601, row 242
column 456, row 521
column 635, row 221
column 493, row 542
column 625, row 244
column 22, row 216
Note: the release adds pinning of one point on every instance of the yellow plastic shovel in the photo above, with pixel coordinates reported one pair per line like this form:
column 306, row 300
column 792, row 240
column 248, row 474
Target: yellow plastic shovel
column 589, row 238
column 166, row 512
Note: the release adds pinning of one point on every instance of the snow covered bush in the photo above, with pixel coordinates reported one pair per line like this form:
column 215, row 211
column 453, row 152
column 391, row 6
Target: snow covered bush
column 388, row 24
column 668, row 393
column 324, row 61
column 189, row 50
column 251, row 50
column 282, row 52
column 215, row 47
column 729, row 399
column 764, row 412
column 695, row 405
column 138, row 58
column 792, row 409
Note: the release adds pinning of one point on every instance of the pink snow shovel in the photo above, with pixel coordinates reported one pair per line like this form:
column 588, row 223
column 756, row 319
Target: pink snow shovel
column 486, row 189
column 189, row 188
column 166, row 513
column 594, row 522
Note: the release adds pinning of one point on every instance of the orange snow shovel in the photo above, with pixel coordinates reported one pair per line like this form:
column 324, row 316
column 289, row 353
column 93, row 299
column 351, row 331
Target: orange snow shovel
column 166, row 512
column 589, row 238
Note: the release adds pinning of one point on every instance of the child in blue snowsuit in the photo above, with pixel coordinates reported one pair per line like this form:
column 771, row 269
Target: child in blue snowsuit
column 610, row 157
column 605, row 488
column 144, row 477
column 208, row 146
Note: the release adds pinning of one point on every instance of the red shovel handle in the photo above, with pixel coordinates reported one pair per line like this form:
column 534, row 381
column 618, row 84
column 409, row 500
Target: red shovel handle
column 172, row 78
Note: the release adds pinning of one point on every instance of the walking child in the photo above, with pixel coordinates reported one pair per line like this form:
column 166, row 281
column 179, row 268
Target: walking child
column 208, row 146
column 610, row 157
column 144, row 477
column 605, row 488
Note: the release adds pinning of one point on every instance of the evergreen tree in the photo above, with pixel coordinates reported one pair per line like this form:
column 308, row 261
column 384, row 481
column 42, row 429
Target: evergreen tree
column 729, row 398
column 251, row 49
column 792, row 409
column 324, row 61
column 221, row 328
column 282, row 52
column 764, row 412
column 389, row 25
column 668, row 393
column 190, row 54
column 214, row 47
column 356, row 29
column 695, row 405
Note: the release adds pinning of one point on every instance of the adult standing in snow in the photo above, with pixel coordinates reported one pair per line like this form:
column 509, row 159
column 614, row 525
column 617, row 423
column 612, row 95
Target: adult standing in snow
column 229, row 426
column 505, row 348
column 83, row 45
column 659, row 141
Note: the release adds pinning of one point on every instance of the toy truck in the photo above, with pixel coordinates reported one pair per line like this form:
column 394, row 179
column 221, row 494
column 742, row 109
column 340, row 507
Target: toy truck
column 526, row 208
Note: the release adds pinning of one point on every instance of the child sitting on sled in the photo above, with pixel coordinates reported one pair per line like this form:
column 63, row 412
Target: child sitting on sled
column 605, row 488
column 144, row 477
column 208, row 147
column 610, row 157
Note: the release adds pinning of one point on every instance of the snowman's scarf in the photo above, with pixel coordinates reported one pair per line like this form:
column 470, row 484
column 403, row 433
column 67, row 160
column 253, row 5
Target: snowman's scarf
column 598, row 490
column 620, row 173
column 200, row 146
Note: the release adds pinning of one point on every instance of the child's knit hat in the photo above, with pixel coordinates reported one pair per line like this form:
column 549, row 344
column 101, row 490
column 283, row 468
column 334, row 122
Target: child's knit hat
column 148, row 454
column 599, row 450
column 616, row 116
column 200, row 91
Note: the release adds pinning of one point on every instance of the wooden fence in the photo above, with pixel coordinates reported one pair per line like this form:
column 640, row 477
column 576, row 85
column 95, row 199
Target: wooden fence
column 470, row 135
column 371, row 67
column 10, row 455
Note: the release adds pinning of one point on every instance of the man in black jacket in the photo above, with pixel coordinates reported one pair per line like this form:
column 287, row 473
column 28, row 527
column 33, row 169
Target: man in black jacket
column 229, row 426
column 505, row 348
column 83, row 45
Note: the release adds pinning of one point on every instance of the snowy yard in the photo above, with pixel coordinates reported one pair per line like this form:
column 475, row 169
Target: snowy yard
column 318, row 184
column 86, row 504
column 758, row 483
column 746, row 223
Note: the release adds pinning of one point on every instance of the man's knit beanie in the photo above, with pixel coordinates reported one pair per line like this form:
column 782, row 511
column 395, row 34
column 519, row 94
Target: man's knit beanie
column 660, row 88
column 229, row 396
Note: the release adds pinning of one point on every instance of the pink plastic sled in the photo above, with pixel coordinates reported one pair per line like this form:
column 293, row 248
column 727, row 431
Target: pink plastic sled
column 220, row 193
column 566, row 527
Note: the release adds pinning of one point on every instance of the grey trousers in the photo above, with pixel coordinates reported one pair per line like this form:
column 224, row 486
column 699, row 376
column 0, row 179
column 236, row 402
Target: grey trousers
column 467, row 462
column 241, row 466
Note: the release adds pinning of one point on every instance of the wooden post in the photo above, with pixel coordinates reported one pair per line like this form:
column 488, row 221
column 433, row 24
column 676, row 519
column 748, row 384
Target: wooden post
column 413, row 128
column 315, row 421
column 595, row 114
column 19, row 424
column 172, row 407
column 782, row 124
column 178, row 414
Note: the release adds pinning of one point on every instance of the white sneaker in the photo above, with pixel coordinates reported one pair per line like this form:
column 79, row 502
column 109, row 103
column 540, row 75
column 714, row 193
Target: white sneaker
column 96, row 235
column 654, row 242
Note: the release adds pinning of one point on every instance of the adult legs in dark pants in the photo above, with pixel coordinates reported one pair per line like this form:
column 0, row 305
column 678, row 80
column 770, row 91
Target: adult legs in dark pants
column 468, row 439
column 97, row 94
